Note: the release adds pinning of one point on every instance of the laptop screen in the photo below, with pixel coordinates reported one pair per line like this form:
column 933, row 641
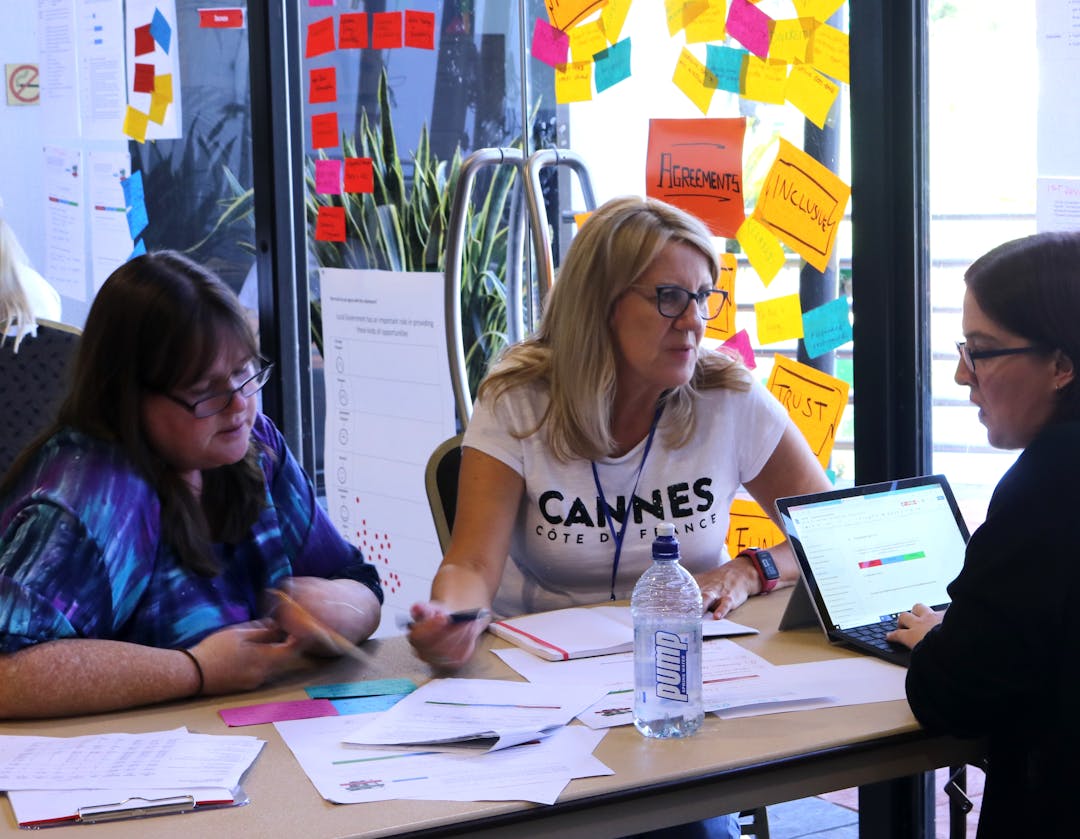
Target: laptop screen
column 875, row 550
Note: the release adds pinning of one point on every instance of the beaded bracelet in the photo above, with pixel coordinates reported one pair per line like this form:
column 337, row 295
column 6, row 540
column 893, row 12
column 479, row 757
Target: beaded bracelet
column 198, row 668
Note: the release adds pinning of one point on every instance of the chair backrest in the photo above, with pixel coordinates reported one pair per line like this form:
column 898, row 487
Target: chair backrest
column 33, row 382
column 441, row 479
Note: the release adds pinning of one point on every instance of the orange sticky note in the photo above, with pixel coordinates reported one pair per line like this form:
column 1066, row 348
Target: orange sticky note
column 829, row 52
column 580, row 218
column 352, row 31
column 779, row 319
column 750, row 527
column 420, row 29
column 565, row 13
column 359, row 174
column 386, row 30
column 815, row 401
column 587, row 40
column 761, row 248
column 135, row 123
column 324, row 131
column 320, row 37
column 722, row 326
column 322, row 85
column 802, row 203
column 812, row 93
column 695, row 80
column 573, row 82
column 765, row 80
column 709, row 25
column 330, row 224
column 789, row 39
column 696, row 164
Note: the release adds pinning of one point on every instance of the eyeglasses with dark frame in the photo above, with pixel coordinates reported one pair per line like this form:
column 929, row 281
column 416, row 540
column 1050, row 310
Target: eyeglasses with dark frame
column 215, row 403
column 673, row 300
column 971, row 356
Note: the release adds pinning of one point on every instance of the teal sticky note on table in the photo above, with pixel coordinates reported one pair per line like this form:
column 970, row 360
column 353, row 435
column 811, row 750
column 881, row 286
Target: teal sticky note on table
column 612, row 65
column 367, row 704
column 369, row 687
column 826, row 327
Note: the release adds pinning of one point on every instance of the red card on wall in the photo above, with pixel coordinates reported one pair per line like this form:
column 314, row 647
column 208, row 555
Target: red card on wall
column 420, row 29
column 324, row 131
column 330, row 224
column 320, row 37
column 352, row 31
column 386, row 30
column 322, row 85
column 359, row 174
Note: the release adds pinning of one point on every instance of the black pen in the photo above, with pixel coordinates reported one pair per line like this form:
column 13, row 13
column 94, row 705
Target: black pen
column 462, row 616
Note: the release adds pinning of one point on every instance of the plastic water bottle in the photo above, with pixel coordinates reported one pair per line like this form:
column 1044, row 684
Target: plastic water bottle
column 666, row 607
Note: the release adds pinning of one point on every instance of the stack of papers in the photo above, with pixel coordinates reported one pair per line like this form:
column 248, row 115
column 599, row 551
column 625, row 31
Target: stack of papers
column 53, row 780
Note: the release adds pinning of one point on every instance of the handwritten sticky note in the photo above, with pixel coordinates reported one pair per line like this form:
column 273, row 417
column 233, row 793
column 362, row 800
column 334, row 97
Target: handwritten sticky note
column 812, row 93
column 386, row 30
column 587, row 40
column 330, row 224
column 696, row 164
column 419, row 29
column 740, row 343
column 815, row 401
column 161, row 30
column 324, row 131
column 829, row 52
column 613, row 17
column 695, row 80
column 790, row 39
column 352, row 31
column 565, row 13
column 826, row 327
column 778, row 319
column 296, row 709
column 612, row 65
column 135, row 124
column 573, row 82
column 366, row 687
column 802, row 203
column 764, row 80
column 722, row 326
column 750, row 527
column 163, row 88
column 708, row 25
column 328, row 177
column 359, row 174
column 681, row 12
column 748, row 25
column 549, row 44
column 320, row 37
column 322, row 85
column 728, row 65
column 144, row 41
column 761, row 248
column 818, row 9
column 144, row 78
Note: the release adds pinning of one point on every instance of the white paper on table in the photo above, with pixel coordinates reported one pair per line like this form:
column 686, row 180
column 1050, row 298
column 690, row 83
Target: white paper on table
column 160, row 759
column 449, row 710
column 347, row 774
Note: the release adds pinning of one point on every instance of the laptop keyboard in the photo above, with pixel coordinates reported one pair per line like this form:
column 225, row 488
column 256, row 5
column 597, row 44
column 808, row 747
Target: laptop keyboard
column 874, row 634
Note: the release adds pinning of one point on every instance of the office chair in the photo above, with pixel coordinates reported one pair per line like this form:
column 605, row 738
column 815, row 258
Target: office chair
column 33, row 382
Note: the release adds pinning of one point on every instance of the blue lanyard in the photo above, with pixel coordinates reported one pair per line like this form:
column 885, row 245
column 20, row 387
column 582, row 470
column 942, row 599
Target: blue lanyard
column 617, row 537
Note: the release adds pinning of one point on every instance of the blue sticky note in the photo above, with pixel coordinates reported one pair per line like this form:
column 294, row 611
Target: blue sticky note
column 160, row 30
column 826, row 327
column 135, row 203
column 726, row 63
column 369, row 687
column 612, row 65
column 367, row 704
column 139, row 250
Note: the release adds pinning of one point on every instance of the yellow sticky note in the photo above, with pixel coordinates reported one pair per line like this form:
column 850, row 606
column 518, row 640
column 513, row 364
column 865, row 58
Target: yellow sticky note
column 765, row 80
column 573, row 82
column 802, row 203
column 613, row 17
column 722, row 326
column 779, row 319
column 750, row 527
column 815, row 401
column 818, row 9
column 163, row 87
column 812, row 93
column 587, row 40
column 158, row 108
column 829, row 52
column 695, row 80
column 789, row 39
column 709, row 24
column 761, row 248
column 135, row 122
column 681, row 12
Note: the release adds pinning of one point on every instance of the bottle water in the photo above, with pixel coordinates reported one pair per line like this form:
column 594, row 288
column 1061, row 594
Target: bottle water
column 666, row 607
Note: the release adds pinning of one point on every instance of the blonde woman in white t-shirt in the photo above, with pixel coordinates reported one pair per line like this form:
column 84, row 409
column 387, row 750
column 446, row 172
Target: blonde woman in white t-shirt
column 607, row 420
column 25, row 296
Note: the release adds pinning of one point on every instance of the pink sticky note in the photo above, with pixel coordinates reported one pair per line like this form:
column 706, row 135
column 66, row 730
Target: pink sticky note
column 549, row 44
column 297, row 709
column 328, row 177
column 740, row 343
column 144, row 41
column 320, row 2
column 747, row 24
column 420, row 29
column 144, row 78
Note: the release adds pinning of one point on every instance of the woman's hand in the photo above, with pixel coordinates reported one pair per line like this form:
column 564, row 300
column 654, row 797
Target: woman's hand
column 912, row 626
column 245, row 656
column 439, row 641
column 726, row 587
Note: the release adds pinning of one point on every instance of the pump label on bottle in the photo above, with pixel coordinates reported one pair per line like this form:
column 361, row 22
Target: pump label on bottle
column 671, row 666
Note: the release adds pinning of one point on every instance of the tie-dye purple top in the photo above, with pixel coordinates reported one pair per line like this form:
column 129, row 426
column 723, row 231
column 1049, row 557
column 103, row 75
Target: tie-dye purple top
column 81, row 554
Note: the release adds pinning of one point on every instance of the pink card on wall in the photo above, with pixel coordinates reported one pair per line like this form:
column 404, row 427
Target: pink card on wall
column 328, row 177
column 549, row 44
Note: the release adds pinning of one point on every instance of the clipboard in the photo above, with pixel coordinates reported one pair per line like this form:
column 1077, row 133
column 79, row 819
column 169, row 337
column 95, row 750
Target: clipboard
column 53, row 808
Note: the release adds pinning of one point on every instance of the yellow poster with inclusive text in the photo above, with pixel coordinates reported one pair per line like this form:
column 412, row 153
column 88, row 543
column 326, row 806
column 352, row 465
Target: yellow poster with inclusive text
column 750, row 527
column 815, row 401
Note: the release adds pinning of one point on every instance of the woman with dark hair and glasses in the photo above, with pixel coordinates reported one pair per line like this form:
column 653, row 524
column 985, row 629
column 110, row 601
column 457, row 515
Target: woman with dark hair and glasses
column 1001, row 662
column 160, row 541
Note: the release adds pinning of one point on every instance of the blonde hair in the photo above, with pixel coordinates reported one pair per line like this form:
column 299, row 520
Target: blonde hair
column 15, row 313
column 572, row 351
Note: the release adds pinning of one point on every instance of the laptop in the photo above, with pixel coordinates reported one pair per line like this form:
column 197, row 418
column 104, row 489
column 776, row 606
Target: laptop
column 868, row 553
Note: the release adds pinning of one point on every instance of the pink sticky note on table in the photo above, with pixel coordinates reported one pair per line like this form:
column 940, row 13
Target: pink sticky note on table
column 320, row 37
column 386, row 30
column 324, row 131
column 328, row 177
column 297, row 709
column 420, row 29
column 549, row 44
column 748, row 25
column 144, row 78
column 144, row 41
column 740, row 343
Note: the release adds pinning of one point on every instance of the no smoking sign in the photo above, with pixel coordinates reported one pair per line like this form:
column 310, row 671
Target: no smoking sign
column 23, row 86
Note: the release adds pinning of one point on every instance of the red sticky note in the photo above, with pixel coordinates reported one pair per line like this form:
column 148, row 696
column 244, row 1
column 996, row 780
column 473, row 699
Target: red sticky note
column 740, row 343
column 330, row 225
column 322, row 85
column 420, row 29
column 352, row 31
column 328, row 177
column 144, row 78
column 221, row 18
column 320, row 37
column 386, row 30
column 296, row 709
column 359, row 174
column 144, row 41
column 324, row 131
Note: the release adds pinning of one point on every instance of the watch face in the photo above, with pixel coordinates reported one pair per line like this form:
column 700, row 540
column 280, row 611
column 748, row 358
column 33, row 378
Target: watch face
column 768, row 566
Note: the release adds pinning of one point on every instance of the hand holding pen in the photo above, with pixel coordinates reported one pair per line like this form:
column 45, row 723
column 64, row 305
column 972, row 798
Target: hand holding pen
column 445, row 639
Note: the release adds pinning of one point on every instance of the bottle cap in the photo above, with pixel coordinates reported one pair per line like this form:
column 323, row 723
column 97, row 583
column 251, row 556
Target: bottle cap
column 665, row 545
